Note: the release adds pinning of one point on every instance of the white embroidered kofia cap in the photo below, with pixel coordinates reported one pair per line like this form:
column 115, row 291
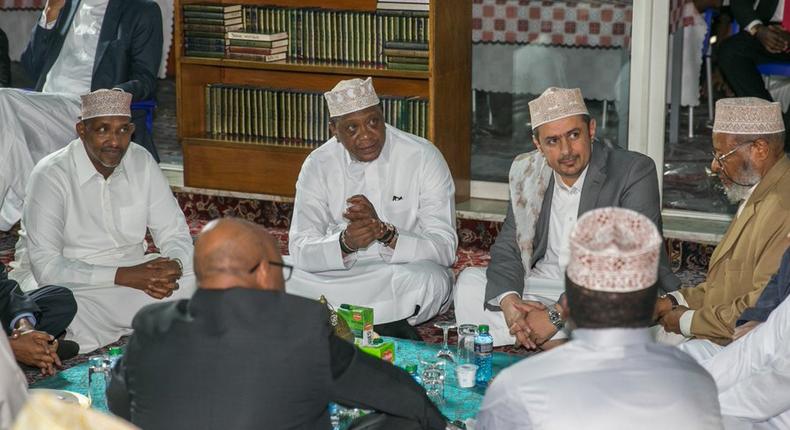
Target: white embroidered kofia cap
column 748, row 115
column 614, row 250
column 556, row 103
column 350, row 96
column 115, row 102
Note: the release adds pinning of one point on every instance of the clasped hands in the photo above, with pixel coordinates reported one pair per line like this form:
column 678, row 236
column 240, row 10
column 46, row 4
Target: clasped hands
column 528, row 321
column 157, row 278
column 364, row 225
column 666, row 316
column 35, row 348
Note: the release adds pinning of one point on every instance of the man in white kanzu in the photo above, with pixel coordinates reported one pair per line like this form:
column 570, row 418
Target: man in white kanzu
column 76, row 47
column 611, row 374
column 84, row 222
column 569, row 174
column 374, row 217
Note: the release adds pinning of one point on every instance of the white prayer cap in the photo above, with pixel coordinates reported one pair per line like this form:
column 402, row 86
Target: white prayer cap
column 556, row 103
column 350, row 96
column 614, row 250
column 115, row 102
column 748, row 115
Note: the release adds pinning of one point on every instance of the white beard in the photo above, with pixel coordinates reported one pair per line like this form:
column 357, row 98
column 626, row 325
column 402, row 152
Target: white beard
column 738, row 193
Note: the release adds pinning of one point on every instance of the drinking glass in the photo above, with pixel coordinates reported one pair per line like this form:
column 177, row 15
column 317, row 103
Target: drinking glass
column 466, row 343
column 98, row 378
column 445, row 353
column 433, row 382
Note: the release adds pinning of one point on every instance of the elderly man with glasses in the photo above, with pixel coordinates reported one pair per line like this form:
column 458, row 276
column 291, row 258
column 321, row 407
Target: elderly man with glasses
column 748, row 157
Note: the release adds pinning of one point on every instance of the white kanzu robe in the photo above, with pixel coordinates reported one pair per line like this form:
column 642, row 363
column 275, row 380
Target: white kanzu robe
column 37, row 124
column 79, row 228
column 13, row 387
column 410, row 186
column 752, row 373
column 603, row 379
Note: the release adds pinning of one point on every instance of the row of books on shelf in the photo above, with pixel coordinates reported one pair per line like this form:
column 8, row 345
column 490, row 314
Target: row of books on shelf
column 290, row 117
column 314, row 36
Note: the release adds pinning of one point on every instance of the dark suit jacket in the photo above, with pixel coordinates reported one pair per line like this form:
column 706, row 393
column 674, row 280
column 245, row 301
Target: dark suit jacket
column 775, row 292
column 127, row 57
column 615, row 177
column 5, row 61
column 251, row 359
column 744, row 12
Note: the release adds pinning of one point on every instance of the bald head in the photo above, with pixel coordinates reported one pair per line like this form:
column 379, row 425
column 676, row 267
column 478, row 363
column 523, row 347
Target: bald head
column 232, row 252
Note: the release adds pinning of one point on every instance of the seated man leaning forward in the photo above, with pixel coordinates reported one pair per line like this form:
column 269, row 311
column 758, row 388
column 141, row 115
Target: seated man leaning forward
column 748, row 157
column 265, row 359
column 374, row 218
column 84, row 223
column 611, row 375
column 569, row 174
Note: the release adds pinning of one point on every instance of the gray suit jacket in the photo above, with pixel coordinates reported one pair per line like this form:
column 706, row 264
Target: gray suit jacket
column 615, row 177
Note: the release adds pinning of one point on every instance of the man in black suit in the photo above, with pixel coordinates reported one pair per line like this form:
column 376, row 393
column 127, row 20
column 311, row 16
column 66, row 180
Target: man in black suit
column 77, row 46
column 34, row 321
column 762, row 39
column 242, row 354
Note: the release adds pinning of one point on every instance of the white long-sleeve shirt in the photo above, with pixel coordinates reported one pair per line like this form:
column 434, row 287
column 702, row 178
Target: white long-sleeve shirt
column 73, row 70
column 603, row 379
column 409, row 185
column 13, row 388
column 78, row 228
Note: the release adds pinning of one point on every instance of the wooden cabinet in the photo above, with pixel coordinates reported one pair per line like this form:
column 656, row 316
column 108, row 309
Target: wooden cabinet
column 233, row 165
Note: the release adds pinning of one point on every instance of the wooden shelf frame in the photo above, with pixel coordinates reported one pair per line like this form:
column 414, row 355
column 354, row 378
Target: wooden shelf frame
column 268, row 169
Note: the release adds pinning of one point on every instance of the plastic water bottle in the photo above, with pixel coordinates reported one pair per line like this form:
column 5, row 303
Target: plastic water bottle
column 334, row 415
column 412, row 370
column 484, row 348
column 115, row 354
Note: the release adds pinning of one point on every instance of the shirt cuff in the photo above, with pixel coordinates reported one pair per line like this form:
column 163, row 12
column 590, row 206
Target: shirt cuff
column 498, row 299
column 405, row 248
column 386, row 253
column 44, row 24
column 103, row 275
column 27, row 315
column 349, row 259
column 679, row 297
column 751, row 25
column 685, row 323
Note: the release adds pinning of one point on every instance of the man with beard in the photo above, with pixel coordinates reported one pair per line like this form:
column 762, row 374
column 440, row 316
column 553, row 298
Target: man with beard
column 748, row 157
column 571, row 173
column 84, row 223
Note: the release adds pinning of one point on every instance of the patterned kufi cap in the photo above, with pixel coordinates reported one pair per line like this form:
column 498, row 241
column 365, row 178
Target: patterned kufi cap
column 556, row 103
column 614, row 250
column 748, row 115
column 115, row 102
column 350, row 96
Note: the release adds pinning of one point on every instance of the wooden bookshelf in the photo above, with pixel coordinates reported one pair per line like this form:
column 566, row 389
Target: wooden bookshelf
column 259, row 167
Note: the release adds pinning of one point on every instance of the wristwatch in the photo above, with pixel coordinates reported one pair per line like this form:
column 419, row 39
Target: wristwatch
column 754, row 29
column 555, row 319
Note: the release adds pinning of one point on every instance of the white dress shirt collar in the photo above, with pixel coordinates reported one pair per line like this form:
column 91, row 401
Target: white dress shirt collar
column 612, row 337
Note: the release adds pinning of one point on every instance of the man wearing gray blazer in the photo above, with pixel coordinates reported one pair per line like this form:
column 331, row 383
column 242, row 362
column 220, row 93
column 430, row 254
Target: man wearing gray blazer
column 570, row 174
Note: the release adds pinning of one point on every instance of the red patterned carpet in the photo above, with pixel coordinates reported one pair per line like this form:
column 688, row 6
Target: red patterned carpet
column 688, row 260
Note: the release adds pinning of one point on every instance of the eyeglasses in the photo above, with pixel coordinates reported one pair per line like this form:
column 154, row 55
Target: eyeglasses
column 720, row 159
column 287, row 268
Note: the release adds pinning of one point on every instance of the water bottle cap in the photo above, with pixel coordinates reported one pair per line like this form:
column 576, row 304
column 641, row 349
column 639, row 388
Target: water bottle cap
column 482, row 328
column 411, row 368
column 116, row 350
